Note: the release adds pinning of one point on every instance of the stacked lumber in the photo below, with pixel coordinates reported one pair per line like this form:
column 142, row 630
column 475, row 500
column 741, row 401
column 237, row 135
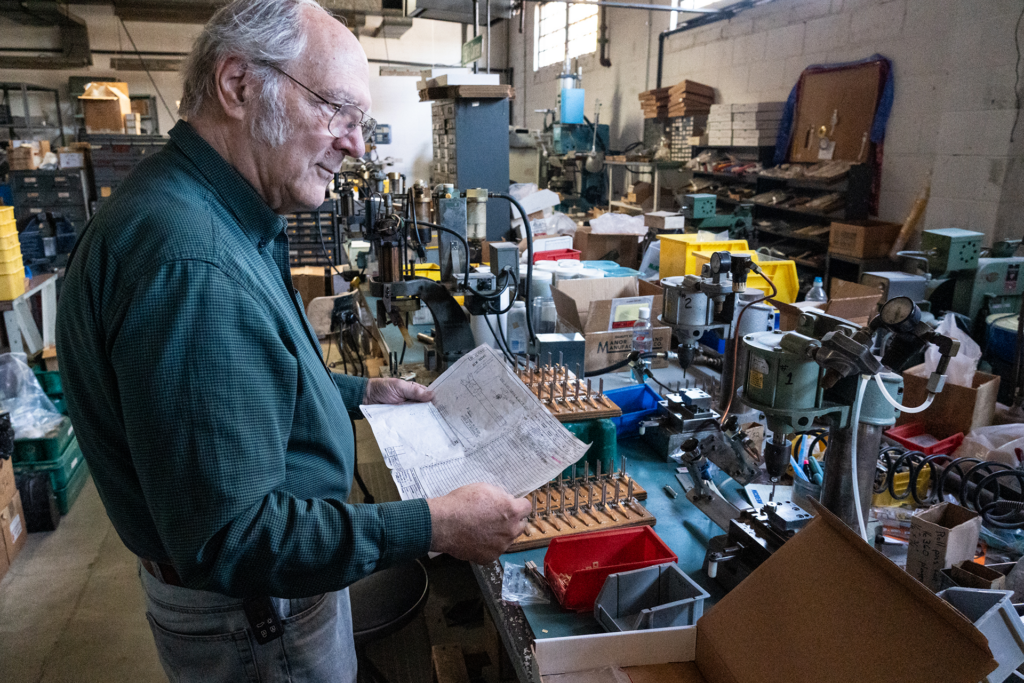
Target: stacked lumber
column 686, row 98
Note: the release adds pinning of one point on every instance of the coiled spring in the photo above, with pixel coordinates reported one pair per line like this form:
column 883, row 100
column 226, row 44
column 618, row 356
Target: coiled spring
column 992, row 489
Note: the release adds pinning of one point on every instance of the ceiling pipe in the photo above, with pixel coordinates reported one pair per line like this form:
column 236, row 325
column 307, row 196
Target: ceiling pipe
column 602, row 38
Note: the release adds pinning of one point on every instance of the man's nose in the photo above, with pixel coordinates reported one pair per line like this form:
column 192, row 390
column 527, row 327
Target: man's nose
column 352, row 144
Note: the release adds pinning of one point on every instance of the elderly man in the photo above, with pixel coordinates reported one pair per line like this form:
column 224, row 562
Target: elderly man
column 219, row 441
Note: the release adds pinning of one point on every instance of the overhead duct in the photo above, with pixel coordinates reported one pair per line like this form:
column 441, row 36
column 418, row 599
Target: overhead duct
column 73, row 34
column 460, row 11
column 200, row 11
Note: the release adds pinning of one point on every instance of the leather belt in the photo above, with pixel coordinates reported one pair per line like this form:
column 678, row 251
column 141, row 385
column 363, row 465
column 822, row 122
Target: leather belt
column 162, row 572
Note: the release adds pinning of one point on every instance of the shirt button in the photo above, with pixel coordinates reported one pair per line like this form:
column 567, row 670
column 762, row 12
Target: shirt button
column 261, row 245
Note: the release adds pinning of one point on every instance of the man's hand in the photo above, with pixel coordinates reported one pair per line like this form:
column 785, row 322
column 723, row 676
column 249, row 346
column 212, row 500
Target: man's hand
column 392, row 390
column 476, row 522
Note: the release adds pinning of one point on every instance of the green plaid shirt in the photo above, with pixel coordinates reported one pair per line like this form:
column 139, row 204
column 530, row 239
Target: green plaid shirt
column 218, row 439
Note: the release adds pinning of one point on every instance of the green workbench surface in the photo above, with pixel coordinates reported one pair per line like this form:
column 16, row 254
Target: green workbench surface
column 683, row 527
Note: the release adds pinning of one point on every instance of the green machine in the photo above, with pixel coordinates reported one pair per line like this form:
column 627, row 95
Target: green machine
column 701, row 211
column 965, row 278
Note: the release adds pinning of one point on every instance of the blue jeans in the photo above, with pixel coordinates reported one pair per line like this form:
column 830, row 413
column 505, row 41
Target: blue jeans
column 203, row 637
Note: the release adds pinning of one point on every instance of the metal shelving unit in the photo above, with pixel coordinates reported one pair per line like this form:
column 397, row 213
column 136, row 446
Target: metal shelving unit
column 28, row 126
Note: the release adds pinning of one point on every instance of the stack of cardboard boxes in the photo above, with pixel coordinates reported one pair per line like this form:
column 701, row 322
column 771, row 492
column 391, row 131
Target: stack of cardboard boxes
column 686, row 98
column 752, row 124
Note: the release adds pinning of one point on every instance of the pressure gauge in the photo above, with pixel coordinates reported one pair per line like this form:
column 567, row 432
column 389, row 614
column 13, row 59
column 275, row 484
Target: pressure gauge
column 900, row 314
column 720, row 262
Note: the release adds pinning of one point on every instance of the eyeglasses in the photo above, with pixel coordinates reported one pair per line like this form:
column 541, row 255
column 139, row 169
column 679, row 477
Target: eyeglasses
column 346, row 117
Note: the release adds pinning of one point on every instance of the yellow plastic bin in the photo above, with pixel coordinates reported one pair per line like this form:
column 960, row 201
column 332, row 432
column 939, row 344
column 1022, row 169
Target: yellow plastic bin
column 677, row 252
column 12, row 286
column 9, row 239
column 9, row 228
column 6, row 214
column 13, row 266
column 782, row 273
column 9, row 252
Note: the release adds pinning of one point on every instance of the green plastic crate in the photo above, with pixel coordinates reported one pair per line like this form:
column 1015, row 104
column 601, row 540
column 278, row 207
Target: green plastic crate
column 601, row 436
column 62, row 471
column 50, row 382
column 60, row 404
column 47, row 448
column 67, row 495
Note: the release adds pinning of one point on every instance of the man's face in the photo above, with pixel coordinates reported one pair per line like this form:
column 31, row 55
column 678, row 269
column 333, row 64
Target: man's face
column 334, row 66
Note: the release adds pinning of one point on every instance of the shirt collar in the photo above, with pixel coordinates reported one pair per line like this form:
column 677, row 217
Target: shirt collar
column 254, row 216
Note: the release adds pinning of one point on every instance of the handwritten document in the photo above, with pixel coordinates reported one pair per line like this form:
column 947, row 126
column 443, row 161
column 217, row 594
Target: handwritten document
column 483, row 425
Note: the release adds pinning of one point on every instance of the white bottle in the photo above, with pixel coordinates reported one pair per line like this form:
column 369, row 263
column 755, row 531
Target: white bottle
column 642, row 340
column 517, row 333
column 817, row 292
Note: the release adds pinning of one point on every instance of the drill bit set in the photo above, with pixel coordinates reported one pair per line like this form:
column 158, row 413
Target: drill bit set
column 592, row 502
column 569, row 397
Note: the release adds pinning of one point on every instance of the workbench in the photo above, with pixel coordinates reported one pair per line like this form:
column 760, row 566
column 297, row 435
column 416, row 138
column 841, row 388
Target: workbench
column 683, row 527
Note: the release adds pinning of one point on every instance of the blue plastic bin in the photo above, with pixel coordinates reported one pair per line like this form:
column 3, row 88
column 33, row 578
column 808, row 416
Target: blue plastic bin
column 637, row 402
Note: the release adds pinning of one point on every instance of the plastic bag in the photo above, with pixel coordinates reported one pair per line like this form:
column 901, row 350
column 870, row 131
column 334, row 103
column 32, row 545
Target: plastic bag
column 965, row 363
column 32, row 412
column 998, row 443
column 517, row 586
column 555, row 224
column 618, row 224
column 651, row 264
column 520, row 190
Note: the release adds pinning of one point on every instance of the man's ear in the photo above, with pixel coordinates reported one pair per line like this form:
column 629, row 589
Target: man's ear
column 234, row 86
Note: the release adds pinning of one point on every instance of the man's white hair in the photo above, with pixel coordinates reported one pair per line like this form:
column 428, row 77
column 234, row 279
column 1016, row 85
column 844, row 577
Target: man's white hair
column 261, row 32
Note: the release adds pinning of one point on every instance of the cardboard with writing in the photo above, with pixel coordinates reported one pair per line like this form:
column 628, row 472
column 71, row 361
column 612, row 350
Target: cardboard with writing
column 585, row 306
column 814, row 611
column 12, row 522
column 940, row 537
column 956, row 409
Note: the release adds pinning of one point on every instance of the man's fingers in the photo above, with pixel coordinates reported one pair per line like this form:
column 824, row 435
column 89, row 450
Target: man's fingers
column 417, row 392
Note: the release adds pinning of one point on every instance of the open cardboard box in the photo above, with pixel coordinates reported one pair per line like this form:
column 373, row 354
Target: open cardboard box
column 585, row 306
column 596, row 247
column 955, row 409
column 826, row 607
column 849, row 300
column 104, row 106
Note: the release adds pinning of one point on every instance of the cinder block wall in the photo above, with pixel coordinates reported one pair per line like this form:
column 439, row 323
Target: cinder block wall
column 954, row 64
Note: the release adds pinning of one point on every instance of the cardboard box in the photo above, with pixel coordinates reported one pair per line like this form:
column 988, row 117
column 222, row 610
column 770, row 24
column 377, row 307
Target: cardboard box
column 7, row 486
column 104, row 106
column 820, row 609
column 956, row 409
column 585, row 306
column 664, row 220
column 12, row 522
column 850, row 301
column 862, row 239
column 70, row 159
column 940, row 537
column 312, row 281
column 603, row 247
column 24, row 158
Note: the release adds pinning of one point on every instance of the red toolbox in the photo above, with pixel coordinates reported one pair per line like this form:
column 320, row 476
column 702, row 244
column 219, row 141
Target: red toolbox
column 576, row 566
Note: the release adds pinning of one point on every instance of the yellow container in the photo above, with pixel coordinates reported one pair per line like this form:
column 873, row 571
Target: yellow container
column 12, row 286
column 901, row 483
column 12, row 266
column 6, row 214
column 431, row 271
column 9, row 253
column 8, row 227
column 782, row 273
column 8, row 240
column 676, row 256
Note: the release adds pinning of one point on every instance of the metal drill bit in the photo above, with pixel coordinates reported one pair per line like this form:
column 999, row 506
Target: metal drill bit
column 576, row 507
column 604, row 496
column 549, row 359
column 547, row 499
column 531, row 375
column 572, row 479
column 551, row 393
column 560, row 484
column 600, row 388
column 598, row 474
column 577, row 396
column 629, row 493
column 533, row 505
column 615, row 500
column 565, row 388
column 622, row 467
column 560, row 359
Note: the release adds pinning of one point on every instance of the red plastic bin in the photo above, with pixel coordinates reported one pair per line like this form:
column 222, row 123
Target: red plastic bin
column 576, row 566
column 556, row 255
column 904, row 435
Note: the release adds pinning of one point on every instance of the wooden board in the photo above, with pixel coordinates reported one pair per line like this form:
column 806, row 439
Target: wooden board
column 469, row 92
column 557, row 515
column 569, row 399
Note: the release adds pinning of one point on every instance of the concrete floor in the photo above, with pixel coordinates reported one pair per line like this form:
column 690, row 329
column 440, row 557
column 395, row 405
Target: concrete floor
column 72, row 608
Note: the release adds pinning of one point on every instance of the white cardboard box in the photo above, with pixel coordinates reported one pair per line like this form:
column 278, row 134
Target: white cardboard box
column 758, row 106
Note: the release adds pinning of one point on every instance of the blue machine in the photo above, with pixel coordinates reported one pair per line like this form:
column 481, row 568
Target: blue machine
column 569, row 138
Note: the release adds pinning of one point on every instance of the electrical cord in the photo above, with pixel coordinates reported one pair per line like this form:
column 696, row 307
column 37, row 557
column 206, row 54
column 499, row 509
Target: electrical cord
column 495, row 336
column 854, row 420
column 736, row 345
column 529, row 258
